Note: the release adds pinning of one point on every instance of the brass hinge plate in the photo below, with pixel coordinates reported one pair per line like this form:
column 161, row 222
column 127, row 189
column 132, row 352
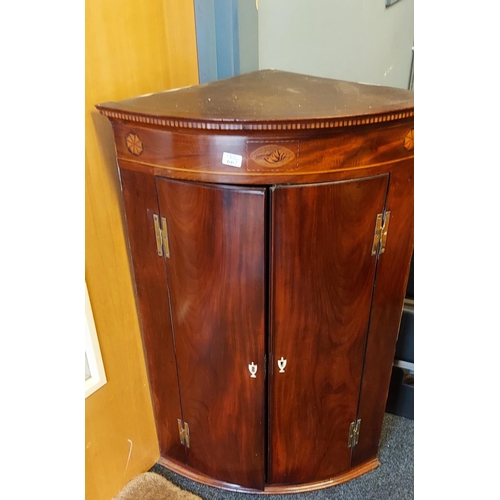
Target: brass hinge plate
column 380, row 236
column 353, row 438
column 161, row 234
column 183, row 432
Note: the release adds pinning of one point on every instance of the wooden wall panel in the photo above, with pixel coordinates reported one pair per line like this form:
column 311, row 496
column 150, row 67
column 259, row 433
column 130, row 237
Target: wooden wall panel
column 132, row 48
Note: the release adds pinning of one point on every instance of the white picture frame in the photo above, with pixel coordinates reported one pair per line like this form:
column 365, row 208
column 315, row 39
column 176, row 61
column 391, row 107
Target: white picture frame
column 95, row 376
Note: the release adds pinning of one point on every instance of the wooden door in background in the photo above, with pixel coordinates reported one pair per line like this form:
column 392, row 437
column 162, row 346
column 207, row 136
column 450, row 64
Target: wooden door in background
column 131, row 48
column 322, row 278
column 216, row 278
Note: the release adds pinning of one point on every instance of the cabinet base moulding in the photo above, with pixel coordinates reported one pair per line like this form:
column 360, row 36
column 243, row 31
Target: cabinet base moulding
column 272, row 489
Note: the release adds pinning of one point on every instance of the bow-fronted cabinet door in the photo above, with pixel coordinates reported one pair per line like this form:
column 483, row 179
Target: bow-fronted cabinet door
column 213, row 240
column 323, row 271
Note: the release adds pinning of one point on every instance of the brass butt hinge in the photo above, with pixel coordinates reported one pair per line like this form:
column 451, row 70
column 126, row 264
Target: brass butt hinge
column 380, row 236
column 353, row 439
column 161, row 236
column 183, row 432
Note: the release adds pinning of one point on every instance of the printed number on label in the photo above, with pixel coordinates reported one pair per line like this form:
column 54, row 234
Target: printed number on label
column 232, row 160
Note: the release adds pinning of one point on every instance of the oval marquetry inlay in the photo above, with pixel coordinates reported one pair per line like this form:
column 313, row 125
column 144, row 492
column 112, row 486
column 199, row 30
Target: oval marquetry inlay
column 134, row 144
column 272, row 155
column 408, row 141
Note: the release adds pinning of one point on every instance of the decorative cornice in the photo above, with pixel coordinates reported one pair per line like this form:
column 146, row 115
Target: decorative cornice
column 276, row 125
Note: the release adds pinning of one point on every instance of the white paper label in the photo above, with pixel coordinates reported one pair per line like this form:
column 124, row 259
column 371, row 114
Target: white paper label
column 232, row 160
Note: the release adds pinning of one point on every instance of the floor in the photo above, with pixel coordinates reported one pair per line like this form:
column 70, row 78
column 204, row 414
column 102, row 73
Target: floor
column 393, row 480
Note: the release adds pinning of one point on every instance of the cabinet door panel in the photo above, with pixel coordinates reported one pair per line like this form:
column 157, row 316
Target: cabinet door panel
column 392, row 278
column 321, row 289
column 216, row 276
column 141, row 202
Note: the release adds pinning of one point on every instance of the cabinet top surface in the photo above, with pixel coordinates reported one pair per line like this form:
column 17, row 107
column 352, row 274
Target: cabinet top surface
column 266, row 97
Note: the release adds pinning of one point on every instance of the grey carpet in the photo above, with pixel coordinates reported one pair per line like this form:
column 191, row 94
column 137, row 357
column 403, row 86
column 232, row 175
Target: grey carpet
column 392, row 480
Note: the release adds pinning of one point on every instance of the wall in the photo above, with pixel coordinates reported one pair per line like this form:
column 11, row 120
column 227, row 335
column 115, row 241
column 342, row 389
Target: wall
column 355, row 40
column 132, row 48
column 248, row 22
column 227, row 38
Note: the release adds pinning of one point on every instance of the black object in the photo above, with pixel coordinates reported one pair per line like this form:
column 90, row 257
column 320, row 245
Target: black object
column 400, row 401
column 409, row 287
column 401, row 390
column 404, row 346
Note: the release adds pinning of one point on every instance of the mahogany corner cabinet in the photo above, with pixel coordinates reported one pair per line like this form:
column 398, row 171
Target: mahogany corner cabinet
column 270, row 226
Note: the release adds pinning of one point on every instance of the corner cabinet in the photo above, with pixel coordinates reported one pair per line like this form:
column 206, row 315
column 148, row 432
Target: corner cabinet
column 270, row 223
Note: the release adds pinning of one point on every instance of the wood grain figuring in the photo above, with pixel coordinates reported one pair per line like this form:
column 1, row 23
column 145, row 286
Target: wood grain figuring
column 392, row 278
column 199, row 156
column 286, row 178
column 267, row 100
column 131, row 48
column 140, row 200
column 269, row 258
column 194, row 475
column 216, row 274
column 322, row 281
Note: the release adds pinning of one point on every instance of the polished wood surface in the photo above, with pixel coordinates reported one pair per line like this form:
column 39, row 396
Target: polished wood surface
column 352, row 473
column 216, row 276
column 131, row 48
column 268, row 99
column 322, row 278
column 198, row 156
column 392, row 277
column 271, row 256
column 271, row 489
column 140, row 200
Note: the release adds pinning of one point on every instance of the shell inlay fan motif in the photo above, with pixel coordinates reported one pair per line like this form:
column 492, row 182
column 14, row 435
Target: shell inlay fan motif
column 408, row 140
column 272, row 155
column 134, row 144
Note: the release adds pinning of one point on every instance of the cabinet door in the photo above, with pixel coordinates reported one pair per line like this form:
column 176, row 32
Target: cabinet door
column 216, row 279
column 141, row 202
column 322, row 279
